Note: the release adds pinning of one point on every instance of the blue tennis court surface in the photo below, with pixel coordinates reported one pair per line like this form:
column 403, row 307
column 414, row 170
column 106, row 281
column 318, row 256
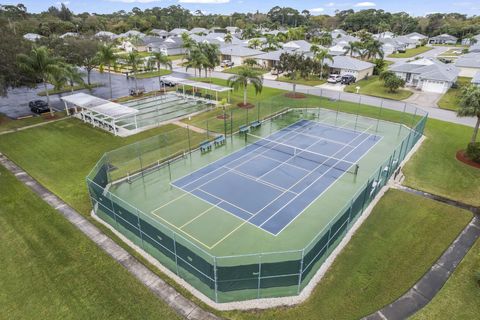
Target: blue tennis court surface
column 274, row 179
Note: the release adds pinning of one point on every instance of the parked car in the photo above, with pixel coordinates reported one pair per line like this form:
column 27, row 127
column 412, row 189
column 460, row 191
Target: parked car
column 348, row 79
column 38, row 106
column 334, row 78
column 227, row 64
column 275, row 72
column 167, row 83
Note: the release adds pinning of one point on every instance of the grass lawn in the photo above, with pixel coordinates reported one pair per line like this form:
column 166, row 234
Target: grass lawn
column 307, row 82
column 460, row 297
column 69, row 89
column 151, row 74
column 142, row 54
column 451, row 53
column 50, row 270
column 7, row 124
column 176, row 57
column 409, row 53
column 435, row 169
column 234, row 70
column 451, row 99
column 373, row 86
column 396, row 245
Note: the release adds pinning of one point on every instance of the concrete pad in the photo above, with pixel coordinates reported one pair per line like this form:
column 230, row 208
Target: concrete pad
column 432, row 282
column 404, row 307
column 183, row 306
column 330, row 86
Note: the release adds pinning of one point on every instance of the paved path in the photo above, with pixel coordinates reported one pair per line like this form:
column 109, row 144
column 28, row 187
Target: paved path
column 160, row 288
column 428, row 286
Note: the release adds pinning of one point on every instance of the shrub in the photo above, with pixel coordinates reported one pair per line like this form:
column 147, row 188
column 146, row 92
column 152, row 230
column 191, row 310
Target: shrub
column 473, row 152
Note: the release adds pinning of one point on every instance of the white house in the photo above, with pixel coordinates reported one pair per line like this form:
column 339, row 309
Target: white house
column 416, row 36
column 237, row 53
column 443, row 39
column 298, row 46
column 105, row 35
column 428, row 75
column 178, row 31
column 169, row 46
column 32, row 36
column 69, row 34
column 469, row 64
column 344, row 65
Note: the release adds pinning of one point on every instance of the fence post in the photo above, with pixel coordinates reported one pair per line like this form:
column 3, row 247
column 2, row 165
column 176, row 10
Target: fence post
column 189, row 142
column 175, row 252
column 358, row 109
column 259, row 274
column 300, row 272
column 379, row 116
column 139, row 227
column 231, row 124
column 215, row 277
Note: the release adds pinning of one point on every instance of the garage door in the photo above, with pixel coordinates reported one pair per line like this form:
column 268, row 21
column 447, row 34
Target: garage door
column 434, row 86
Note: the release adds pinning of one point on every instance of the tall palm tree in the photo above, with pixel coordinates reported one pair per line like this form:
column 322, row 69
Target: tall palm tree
column 40, row 63
column 160, row 59
column 228, row 38
column 73, row 75
column 243, row 78
column 294, row 65
column 196, row 60
column 271, row 42
column 188, row 42
column 470, row 107
column 107, row 58
column 212, row 54
column 281, row 37
column 254, row 43
column 134, row 60
column 352, row 48
column 321, row 56
column 373, row 48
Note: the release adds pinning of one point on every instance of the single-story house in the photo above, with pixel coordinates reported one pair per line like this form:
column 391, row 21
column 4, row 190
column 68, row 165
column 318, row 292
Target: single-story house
column 428, row 75
column 298, row 46
column 384, row 35
column 105, row 35
column 178, row 31
column 132, row 33
column 443, row 39
column 469, row 64
column 237, row 53
column 127, row 46
column 408, row 42
column 392, row 45
column 476, row 79
column 341, row 38
column 170, row 46
column 69, row 34
column 199, row 31
column 338, row 33
column 160, row 33
column 344, row 65
column 416, row 36
column 32, row 36
column 468, row 41
column 474, row 48
column 232, row 30
column 270, row 60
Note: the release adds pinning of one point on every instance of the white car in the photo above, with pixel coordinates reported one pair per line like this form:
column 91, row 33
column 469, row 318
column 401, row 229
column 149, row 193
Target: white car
column 334, row 78
column 227, row 63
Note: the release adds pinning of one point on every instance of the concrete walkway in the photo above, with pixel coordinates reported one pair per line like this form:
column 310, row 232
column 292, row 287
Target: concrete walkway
column 160, row 288
column 428, row 286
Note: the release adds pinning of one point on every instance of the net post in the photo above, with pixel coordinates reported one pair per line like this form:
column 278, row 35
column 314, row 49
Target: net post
column 215, row 278
column 300, row 271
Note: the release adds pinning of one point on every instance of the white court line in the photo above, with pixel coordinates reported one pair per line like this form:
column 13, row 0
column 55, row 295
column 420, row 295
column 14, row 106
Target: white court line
column 288, row 164
column 318, row 124
column 268, row 184
column 201, row 214
column 368, row 136
column 221, row 200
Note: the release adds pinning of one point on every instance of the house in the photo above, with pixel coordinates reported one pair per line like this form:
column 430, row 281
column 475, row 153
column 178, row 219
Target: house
column 178, row 31
column 468, row 41
column 32, row 36
column 384, row 35
column 476, row 79
column 392, row 45
column 338, row 33
column 199, row 31
column 409, row 43
column 170, row 46
column 232, row 30
column 443, row 39
column 270, row 60
column 132, row 34
column 428, row 75
column 160, row 33
column 344, row 65
column 127, row 46
column 474, row 48
column 416, row 36
column 69, row 34
column 237, row 53
column 105, row 35
column 298, row 46
column 469, row 64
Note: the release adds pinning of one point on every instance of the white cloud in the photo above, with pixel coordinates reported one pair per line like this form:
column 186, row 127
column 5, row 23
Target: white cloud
column 330, row 4
column 135, row 1
column 365, row 4
column 316, row 10
column 59, row 3
column 204, row 1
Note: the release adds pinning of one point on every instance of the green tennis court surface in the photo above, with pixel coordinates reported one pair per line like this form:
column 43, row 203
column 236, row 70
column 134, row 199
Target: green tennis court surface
column 256, row 216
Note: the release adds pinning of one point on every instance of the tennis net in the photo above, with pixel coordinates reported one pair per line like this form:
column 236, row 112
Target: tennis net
column 295, row 152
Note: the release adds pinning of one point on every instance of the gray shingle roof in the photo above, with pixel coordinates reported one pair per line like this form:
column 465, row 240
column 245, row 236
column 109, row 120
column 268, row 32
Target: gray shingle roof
column 344, row 62
column 476, row 78
column 469, row 60
column 428, row 69
column 239, row 51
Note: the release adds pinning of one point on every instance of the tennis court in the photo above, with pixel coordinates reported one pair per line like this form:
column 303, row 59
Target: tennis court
column 271, row 181
column 257, row 215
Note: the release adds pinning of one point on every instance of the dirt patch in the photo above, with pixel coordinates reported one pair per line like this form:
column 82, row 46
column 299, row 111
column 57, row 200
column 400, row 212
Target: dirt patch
column 245, row 106
column 295, row 95
column 463, row 158
column 223, row 116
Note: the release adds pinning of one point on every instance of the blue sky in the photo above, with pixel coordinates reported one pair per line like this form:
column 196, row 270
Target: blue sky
column 414, row 7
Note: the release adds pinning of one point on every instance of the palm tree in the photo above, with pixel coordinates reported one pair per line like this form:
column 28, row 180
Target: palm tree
column 281, row 37
column 352, row 48
column 196, row 60
column 373, row 48
column 228, row 38
column 294, row 65
column 325, row 39
column 73, row 75
column 243, row 78
column 160, row 59
column 106, row 57
column 134, row 60
column 254, row 43
column 249, row 32
column 188, row 42
column 41, row 64
column 314, row 49
column 250, row 62
column 321, row 56
column 271, row 42
column 470, row 107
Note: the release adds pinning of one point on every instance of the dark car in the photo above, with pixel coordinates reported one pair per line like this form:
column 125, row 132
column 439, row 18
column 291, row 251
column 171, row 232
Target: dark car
column 38, row 106
column 348, row 79
column 167, row 83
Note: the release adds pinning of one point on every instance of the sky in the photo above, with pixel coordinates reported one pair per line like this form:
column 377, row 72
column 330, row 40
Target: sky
column 413, row 7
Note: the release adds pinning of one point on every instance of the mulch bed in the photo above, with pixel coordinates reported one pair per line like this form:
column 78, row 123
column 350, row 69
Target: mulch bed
column 295, row 95
column 245, row 106
column 463, row 158
column 223, row 116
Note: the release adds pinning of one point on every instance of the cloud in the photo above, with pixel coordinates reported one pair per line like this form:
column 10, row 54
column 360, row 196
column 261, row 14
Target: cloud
column 365, row 4
column 59, row 3
column 316, row 10
column 135, row 1
column 330, row 4
column 204, row 1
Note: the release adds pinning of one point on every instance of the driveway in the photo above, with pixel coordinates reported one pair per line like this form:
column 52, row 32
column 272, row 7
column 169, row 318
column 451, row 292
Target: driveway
column 332, row 86
column 424, row 99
